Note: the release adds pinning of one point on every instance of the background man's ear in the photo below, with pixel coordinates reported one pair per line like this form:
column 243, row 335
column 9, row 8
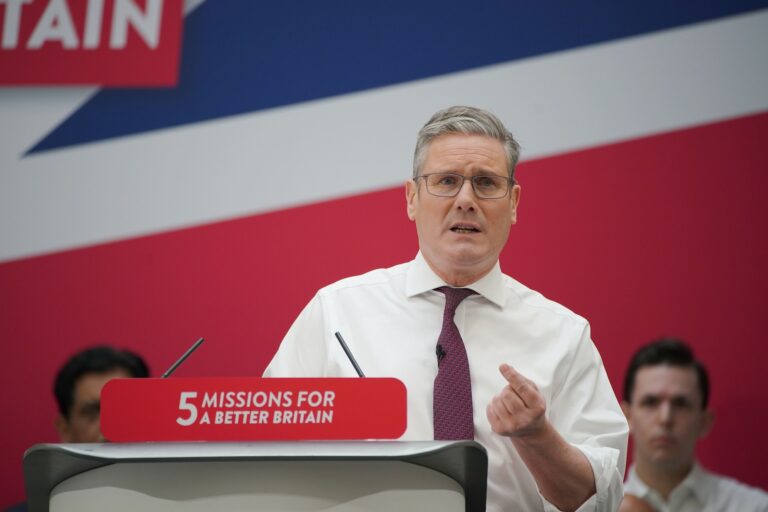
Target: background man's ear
column 706, row 423
column 625, row 408
column 62, row 426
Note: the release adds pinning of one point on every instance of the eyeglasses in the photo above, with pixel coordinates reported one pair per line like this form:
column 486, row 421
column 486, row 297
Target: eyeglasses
column 448, row 184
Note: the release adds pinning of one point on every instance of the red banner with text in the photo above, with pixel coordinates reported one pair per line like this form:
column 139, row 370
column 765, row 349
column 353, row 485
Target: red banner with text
column 124, row 43
column 250, row 408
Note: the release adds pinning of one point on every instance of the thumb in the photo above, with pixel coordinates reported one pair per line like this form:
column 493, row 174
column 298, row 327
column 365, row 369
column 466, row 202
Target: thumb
column 508, row 372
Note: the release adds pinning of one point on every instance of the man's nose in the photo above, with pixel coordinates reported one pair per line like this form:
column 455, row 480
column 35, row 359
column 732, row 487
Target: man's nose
column 666, row 414
column 466, row 198
column 99, row 437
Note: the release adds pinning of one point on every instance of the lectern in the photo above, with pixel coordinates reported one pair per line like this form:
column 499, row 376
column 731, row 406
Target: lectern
column 337, row 476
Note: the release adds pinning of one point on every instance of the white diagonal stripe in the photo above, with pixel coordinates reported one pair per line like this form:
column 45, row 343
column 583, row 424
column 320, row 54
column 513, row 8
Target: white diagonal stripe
column 349, row 144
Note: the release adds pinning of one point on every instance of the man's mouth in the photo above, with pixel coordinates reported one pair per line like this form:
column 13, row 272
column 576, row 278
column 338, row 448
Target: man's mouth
column 464, row 228
column 664, row 440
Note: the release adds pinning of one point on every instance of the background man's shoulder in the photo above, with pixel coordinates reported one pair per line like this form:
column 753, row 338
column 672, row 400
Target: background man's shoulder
column 746, row 497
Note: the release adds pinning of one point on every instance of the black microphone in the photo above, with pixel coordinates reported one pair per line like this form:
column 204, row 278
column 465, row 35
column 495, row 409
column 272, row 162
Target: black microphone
column 349, row 354
column 439, row 352
column 183, row 358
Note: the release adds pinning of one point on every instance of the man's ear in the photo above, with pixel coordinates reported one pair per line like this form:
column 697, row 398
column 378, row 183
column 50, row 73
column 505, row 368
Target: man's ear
column 625, row 408
column 707, row 420
column 411, row 198
column 514, row 197
column 62, row 426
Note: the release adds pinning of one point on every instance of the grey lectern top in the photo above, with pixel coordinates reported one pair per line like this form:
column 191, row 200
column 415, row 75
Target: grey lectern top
column 275, row 476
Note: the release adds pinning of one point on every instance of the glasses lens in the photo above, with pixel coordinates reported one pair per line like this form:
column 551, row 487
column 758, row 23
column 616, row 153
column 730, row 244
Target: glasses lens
column 444, row 184
column 490, row 187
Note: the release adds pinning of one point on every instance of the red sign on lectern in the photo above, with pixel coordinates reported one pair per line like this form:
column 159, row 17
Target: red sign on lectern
column 249, row 408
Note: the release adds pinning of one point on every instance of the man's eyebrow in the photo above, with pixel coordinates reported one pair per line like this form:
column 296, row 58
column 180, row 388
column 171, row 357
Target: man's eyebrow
column 487, row 172
column 660, row 396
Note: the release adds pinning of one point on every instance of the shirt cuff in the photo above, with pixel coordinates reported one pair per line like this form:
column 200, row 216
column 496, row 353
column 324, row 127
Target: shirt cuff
column 608, row 481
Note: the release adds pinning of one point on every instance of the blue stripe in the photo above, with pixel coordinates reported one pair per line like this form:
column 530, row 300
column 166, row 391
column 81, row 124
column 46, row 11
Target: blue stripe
column 247, row 56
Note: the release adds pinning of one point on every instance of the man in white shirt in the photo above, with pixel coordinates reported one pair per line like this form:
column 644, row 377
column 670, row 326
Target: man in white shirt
column 541, row 403
column 666, row 393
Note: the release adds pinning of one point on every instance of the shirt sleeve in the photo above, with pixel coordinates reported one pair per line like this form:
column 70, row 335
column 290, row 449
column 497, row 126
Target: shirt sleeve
column 586, row 413
column 303, row 351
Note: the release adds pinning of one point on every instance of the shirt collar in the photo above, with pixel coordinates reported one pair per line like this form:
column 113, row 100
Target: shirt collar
column 696, row 483
column 420, row 279
column 634, row 485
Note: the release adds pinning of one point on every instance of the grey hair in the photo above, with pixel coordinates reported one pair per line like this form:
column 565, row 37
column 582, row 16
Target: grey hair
column 469, row 121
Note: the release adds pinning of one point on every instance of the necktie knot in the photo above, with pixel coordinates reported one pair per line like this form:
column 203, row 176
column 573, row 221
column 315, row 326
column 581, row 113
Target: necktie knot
column 454, row 296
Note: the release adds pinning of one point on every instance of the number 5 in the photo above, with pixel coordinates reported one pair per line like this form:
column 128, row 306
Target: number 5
column 186, row 406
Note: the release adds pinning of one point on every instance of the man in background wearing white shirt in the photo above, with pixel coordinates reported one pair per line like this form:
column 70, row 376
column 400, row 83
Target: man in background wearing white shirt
column 666, row 393
column 534, row 391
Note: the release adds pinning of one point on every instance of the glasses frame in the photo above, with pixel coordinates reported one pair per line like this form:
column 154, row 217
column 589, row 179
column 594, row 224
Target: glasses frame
column 511, row 182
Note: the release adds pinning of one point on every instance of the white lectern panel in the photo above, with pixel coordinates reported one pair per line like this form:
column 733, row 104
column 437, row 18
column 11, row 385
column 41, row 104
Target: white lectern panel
column 333, row 486
column 333, row 476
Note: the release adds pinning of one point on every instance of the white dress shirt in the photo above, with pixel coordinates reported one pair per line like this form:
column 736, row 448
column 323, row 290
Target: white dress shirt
column 391, row 319
column 701, row 491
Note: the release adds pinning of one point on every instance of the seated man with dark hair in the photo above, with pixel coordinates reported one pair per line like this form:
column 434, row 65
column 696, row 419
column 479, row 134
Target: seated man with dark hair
column 78, row 387
column 666, row 393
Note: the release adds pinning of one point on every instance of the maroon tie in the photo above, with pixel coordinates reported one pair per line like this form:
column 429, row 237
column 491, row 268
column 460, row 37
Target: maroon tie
column 452, row 401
